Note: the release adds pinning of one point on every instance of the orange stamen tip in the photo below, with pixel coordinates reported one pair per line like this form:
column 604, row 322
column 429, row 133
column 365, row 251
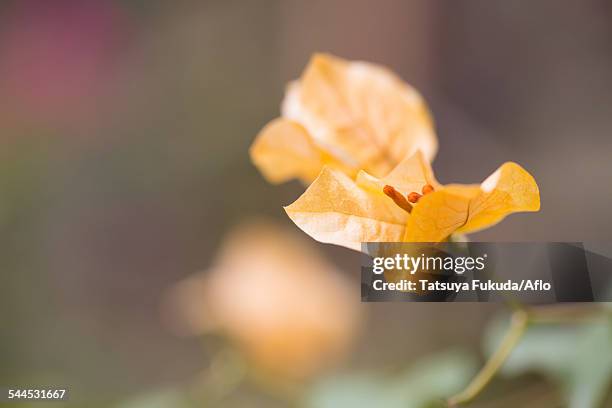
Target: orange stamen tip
column 414, row 197
column 427, row 188
column 397, row 198
column 389, row 190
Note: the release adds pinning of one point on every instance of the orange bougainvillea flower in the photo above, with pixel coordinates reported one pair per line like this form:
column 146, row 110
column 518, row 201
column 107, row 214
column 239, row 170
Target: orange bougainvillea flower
column 348, row 116
column 408, row 204
column 287, row 309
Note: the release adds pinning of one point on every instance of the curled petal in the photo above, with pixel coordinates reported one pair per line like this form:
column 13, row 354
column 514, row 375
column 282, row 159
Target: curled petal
column 467, row 208
column 334, row 209
column 509, row 189
column 283, row 150
column 439, row 214
column 361, row 112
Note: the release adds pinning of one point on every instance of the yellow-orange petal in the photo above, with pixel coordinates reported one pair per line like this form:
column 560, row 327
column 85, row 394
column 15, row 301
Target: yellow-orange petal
column 509, row 189
column 411, row 174
column 334, row 209
column 283, row 150
column 362, row 112
column 467, row 208
column 439, row 214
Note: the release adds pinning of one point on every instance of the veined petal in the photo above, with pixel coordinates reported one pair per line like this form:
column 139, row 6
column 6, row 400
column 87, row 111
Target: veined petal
column 439, row 214
column 509, row 189
column 334, row 209
column 467, row 208
column 411, row 174
column 362, row 111
column 284, row 150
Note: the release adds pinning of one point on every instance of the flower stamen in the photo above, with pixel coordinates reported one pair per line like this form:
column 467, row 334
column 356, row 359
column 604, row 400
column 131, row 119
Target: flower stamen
column 397, row 198
column 427, row 188
column 414, row 197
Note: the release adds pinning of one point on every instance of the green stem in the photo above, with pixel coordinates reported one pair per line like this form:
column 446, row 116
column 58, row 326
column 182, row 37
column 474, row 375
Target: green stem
column 521, row 318
column 513, row 335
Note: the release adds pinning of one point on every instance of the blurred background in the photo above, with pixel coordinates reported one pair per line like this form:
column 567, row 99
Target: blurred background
column 124, row 131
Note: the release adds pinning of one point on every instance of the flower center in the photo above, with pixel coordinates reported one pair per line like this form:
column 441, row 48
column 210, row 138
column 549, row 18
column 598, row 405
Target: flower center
column 397, row 198
column 404, row 202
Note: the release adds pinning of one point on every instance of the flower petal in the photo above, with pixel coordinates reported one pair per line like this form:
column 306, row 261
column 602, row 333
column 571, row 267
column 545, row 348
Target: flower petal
column 439, row 214
column 361, row 112
column 408, row 176
column 467, row 208
column 334, row 209
column 509, row 189
column 283, row 150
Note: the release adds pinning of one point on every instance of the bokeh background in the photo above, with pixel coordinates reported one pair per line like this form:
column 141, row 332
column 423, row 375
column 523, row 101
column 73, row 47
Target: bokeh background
column 124, row 132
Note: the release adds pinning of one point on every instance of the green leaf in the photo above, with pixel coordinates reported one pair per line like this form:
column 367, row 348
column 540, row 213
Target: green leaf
column 427, row 382
column 355, row 391
column 542, row 349
column 593, row 368
column 578, row 358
